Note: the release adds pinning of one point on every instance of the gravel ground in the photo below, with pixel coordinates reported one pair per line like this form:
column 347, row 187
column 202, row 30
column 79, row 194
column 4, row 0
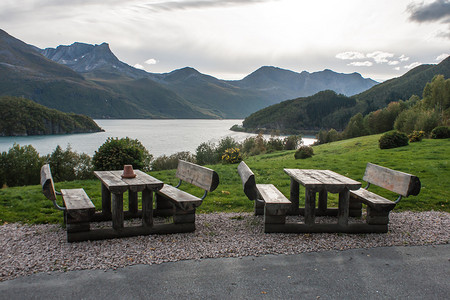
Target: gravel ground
column 43, row 248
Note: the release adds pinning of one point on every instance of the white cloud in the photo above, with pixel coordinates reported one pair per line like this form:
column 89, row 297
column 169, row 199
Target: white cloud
column 151, row 61
column 361, row 64
column 442, row 56
column 393, row 62
column 380, row 56
column 403, row 57
column 413, row 65
column 138, row 66
column 350, row 55
column 397, row 68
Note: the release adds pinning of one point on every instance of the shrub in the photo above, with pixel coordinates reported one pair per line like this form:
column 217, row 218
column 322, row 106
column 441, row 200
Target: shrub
column 67, row 165
column 440, row 132
column 232, row 156
column 205, row 154
column 274, row 144
column 20, row 166
column 115, row 153
column 224, row 144
column 304, row 152
column 171, row 162
column 254, row 145
column 416, row 136
column 393, row 139
column 292, row 142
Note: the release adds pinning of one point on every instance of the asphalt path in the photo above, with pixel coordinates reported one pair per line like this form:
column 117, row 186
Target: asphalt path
column 415, row 272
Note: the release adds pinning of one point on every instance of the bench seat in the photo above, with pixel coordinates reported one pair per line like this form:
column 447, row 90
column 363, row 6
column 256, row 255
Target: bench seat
column 273, row 198
column 79, row 206
column 179, row 198
column 373, row 200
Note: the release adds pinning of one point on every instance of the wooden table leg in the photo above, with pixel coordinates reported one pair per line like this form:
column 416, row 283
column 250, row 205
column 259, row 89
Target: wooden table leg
column 294, row 198
column 117, row 211
column 323, row 198
column 310, row 207
column 106, row 202
column 132, row 202
column 147, row 207
column 344, row 199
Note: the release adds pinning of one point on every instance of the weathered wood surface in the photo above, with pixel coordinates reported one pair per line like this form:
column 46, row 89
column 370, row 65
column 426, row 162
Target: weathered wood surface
column 373, row 200
column 248, row 181
column 398, row 182
column 116, row 184
column 271, row 195
column 180, row 198
column 200, row 176
column 317, row 180
column 48, row 186
column 78, row 205
column 109, row 233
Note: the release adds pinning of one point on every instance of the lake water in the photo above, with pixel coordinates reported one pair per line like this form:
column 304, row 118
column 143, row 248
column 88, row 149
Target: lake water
column 158, row 136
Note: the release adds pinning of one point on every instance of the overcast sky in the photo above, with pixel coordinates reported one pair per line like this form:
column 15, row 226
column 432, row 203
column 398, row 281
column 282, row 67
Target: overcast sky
column 229, row 39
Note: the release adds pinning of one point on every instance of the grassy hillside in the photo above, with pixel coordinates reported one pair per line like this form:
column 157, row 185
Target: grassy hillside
column 429, row 160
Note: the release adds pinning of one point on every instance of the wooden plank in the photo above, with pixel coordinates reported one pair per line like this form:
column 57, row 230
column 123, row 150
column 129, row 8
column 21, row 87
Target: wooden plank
column 109, row 233
column 117, row 211
column 132, row 201
column 373, row 200
column 310, row 206
column 270, row 194
column 322, row 179
column 112, row 181
column 343, row 209
column 323, row 198
column 294, row 197
column 200, row 176
column 180, row 198
column 248, row 181
column 147, row 207
column 76, row 199
column 48, row 186
column 398, row 182
column 106, row 201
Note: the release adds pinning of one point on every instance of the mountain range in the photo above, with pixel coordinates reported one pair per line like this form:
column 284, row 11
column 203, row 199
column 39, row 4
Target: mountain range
column 91, row 80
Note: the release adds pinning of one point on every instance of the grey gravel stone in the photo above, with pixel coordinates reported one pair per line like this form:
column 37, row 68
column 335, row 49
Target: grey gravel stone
column 26, row 249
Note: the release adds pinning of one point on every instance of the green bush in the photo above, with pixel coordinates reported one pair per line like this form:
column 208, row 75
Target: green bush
column 274, row 144
column 440, row 132
column 67, row 165
column 416, row 136
column 254, row 145
column 393, row 139
column 232, row 156
column 224, row 144
column 171, row 162
column 115, row 153
column 304, row 152
column 292, row 142
column 205, row 154
column 20, row 166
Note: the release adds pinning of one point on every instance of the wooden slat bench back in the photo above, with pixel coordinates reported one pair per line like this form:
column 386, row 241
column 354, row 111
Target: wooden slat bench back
column 200, row 176
column 395, row 181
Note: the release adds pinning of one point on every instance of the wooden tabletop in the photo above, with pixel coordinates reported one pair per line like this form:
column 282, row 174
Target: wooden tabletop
column 116, row 184
column 322, row 179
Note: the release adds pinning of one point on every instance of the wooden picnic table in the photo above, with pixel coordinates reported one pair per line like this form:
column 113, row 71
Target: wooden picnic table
column 322, row 182
column 113, row 188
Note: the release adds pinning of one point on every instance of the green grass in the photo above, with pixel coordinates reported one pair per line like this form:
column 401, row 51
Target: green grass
column 428, row 159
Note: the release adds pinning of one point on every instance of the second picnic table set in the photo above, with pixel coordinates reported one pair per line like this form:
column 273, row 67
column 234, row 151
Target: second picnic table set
column 180, row 206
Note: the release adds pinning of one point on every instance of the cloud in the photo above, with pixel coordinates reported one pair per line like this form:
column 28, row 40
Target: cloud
column 442, row 56
column 151, row 61
column 403, row 57
column 397, row 68
column 350, row 55
column 413, row 65
column 380, row 57
column 138, row 66
column 361, row 64
column 195, row 4
column 393, row 62
column 438, row 10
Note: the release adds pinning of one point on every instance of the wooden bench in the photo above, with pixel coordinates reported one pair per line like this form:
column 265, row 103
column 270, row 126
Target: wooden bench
column 78, row 208
column 268, row 199
column 378, row 207
column 171, row 201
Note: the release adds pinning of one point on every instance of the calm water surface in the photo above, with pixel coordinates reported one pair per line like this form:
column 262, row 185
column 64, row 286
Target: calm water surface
column 158, row 136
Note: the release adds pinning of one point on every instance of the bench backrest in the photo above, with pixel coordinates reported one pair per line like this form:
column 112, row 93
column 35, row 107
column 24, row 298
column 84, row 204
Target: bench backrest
column 48, row 187
column 200, row 176
column 248, row 181
column 398, row 182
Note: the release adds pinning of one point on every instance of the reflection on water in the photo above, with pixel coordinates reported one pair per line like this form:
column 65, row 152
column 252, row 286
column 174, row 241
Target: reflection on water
column 158, row 136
